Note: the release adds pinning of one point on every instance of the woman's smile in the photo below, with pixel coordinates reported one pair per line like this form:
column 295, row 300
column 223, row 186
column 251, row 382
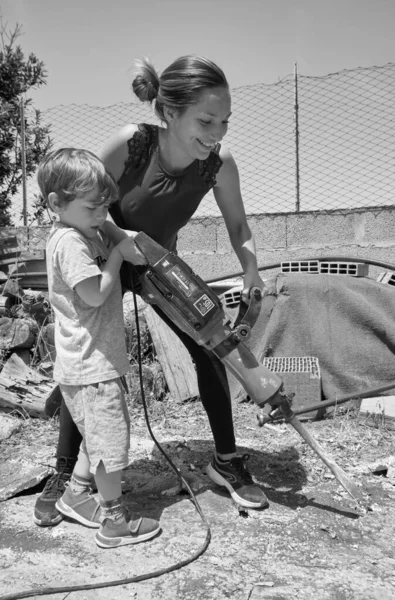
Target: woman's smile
column 206, row 145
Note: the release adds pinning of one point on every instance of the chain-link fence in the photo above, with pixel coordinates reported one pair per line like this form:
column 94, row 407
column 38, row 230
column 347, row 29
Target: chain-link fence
column 302, row 144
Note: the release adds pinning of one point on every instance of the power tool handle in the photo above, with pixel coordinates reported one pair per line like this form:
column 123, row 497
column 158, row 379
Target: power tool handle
column 249, row 313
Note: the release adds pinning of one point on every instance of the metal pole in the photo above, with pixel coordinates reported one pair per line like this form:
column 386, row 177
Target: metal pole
column 296, row 114
column 23, row 160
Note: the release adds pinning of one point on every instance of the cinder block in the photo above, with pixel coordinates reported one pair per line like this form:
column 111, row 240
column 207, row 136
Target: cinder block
column 344, row 268
column 300, row 266
column 231, row 298
column 301, row 375
column 228, row 291
column 387, row 277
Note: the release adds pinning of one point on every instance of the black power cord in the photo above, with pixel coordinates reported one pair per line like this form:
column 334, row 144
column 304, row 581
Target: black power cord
column 76, row 588
column 66, row 589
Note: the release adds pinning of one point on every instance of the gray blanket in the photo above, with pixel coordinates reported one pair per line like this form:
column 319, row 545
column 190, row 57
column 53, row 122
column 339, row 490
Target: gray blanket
column 348, row 323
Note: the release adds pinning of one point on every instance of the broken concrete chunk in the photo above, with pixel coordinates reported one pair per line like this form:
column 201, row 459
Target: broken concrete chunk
column 17, row 476
column 8, row 426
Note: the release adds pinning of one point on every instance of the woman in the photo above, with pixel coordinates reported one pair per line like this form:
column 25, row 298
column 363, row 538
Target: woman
column 163, row 173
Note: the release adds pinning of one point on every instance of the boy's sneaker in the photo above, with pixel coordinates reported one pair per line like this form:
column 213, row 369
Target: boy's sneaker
column 235, row 477
column 121, row 532
column 80, row 507
column 45, row 512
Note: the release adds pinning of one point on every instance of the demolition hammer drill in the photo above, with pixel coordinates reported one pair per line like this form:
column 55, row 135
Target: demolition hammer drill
column 189, row 302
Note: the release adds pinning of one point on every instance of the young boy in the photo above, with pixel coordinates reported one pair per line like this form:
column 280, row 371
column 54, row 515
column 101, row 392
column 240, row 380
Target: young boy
column 91, row 360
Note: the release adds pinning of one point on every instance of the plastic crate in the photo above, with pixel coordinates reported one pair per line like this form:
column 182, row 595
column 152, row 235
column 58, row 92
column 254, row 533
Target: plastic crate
column 388, row 278
column 344, row 268
column 300, row 266
column 301, row 375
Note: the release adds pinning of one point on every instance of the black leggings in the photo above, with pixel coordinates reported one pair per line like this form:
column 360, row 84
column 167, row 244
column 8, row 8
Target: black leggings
column 214, row 394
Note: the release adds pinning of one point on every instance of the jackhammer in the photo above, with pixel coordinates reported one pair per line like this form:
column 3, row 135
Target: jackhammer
column 189, row 302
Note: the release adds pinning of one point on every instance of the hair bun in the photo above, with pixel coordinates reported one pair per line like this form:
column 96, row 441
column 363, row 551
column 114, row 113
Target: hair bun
column 146, row 81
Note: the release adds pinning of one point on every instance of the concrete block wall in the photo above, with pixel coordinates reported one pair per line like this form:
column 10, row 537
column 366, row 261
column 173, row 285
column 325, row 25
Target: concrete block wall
column 204, row 243
column 282, row 237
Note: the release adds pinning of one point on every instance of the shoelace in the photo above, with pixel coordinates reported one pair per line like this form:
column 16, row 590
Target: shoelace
column 238, row 463
column 55, row 485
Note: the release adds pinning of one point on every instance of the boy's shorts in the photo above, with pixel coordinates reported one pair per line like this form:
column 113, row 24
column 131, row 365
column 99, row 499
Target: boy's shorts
column 101, row 414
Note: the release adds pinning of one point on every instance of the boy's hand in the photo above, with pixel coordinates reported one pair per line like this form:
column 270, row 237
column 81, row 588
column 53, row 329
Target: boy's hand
column 130, row 252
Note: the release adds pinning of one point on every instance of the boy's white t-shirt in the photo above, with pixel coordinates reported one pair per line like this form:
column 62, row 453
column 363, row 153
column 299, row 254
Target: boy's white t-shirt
column 90, row 341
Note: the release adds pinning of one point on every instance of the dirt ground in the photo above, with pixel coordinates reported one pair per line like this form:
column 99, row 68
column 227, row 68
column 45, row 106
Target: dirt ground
column 311, row 543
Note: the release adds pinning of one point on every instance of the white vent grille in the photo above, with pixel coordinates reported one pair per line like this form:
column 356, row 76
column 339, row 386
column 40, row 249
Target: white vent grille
column 344, row 268
column 325, row 268
column 292, row 364
column 300, row 266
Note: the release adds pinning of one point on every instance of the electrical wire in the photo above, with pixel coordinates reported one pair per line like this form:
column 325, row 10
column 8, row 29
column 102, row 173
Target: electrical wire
column 67, row 589
column 126, row 580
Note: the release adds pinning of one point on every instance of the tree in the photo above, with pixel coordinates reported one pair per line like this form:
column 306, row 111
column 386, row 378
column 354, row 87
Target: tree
column 17, row 76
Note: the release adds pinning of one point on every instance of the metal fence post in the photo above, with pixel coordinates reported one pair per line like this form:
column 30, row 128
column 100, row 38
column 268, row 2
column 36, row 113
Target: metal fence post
column 23, row 161
column 296, row 115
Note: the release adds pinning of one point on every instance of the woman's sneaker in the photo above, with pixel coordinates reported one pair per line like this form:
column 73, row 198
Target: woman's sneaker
column 124, row 531
column 45, row 512
column 235, row 477
column 80, row 507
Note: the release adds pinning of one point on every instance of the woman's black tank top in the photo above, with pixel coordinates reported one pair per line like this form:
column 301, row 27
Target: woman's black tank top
column 152, row 200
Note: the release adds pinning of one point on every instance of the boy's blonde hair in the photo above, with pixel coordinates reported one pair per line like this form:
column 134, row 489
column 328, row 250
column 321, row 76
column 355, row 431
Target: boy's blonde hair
column 70, row 172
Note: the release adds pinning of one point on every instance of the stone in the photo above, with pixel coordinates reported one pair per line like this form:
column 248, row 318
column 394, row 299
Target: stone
column 8, row 426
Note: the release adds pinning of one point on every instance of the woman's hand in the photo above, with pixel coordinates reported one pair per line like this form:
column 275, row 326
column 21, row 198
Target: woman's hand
column 251, row 280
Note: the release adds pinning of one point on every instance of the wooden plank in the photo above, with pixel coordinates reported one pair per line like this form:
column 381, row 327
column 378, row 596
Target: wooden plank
column 34, row 281
column 6, row 381
column 26, row 390
column 22, row 274
column 23, row 401
column 16, row 370
column 7, row 258
column 378, row 411
column 174, row 358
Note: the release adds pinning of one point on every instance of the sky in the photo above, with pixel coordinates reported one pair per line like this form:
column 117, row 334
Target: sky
column 88, row 46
